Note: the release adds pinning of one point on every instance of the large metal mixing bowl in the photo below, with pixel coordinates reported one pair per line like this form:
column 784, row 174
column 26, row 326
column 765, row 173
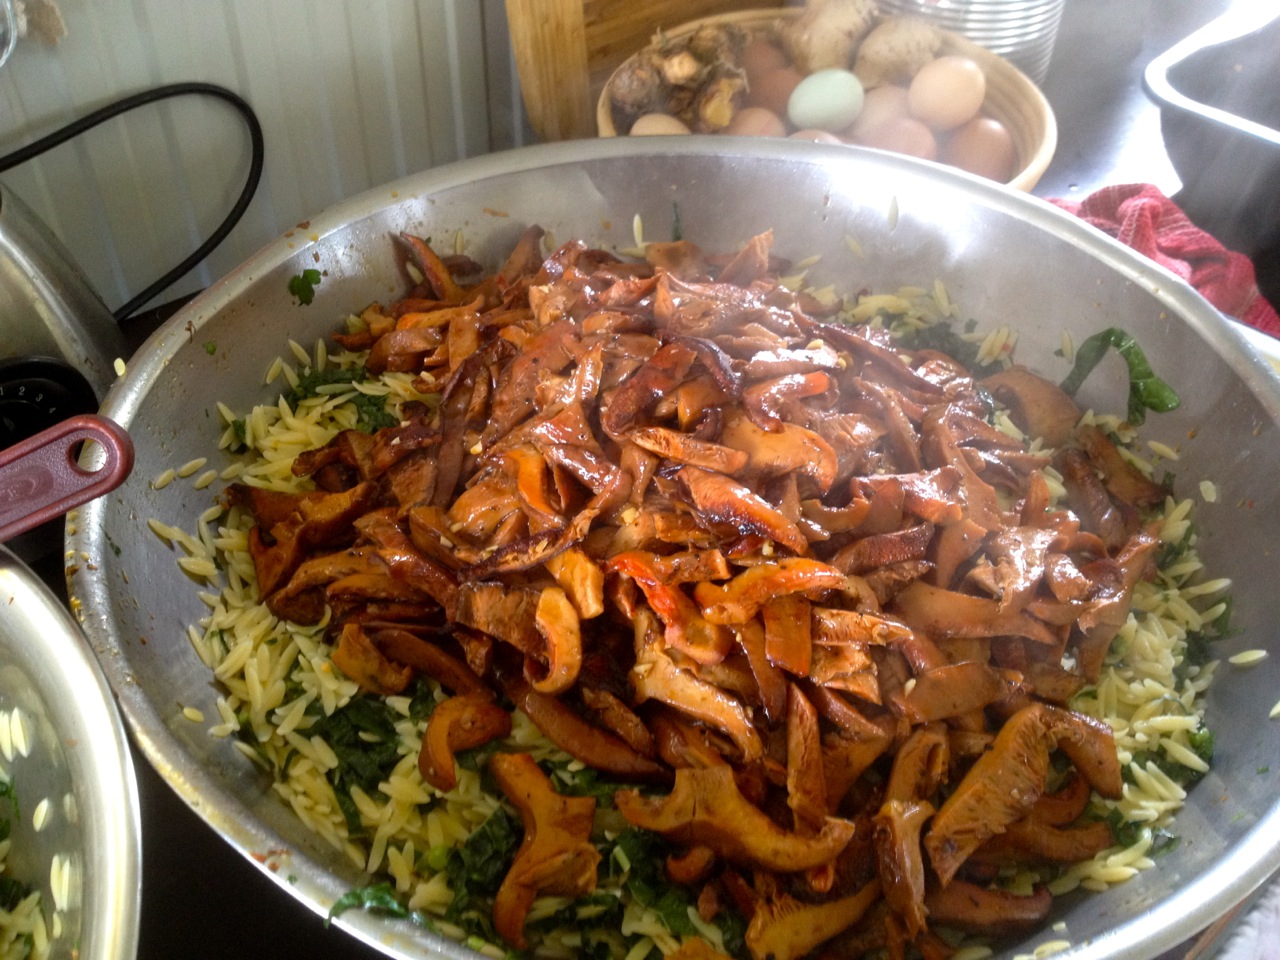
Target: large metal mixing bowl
column 1004, row 258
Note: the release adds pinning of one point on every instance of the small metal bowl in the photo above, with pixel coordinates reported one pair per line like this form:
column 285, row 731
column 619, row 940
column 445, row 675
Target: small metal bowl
column 75, row 834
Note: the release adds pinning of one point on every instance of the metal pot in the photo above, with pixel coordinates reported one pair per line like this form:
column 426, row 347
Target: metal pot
column 1004, row 257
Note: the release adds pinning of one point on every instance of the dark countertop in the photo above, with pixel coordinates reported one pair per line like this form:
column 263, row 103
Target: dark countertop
column 203, row 900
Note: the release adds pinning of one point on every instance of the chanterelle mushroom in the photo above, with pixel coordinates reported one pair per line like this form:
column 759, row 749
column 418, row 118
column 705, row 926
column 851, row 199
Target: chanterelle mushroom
column 784, row 928
column 706, row 807
column 556, row 855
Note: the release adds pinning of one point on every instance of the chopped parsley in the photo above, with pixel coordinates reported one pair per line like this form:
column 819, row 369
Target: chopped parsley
column 12, row 891
column 476, row 869
column 1201, row 742
column 363, row 737
column 575, row 780
column 303, row 286
column 371, row 412
column 210, row 347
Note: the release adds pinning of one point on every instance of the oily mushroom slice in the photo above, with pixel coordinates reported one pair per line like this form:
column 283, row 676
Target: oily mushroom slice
column 706, row 808
column 556, row 855
column 357, row 657
column 685, row 628
column 784, row 928
column 582, row 741
column 1002, row 785
column 557, row 621
column 1109, row 607
column 721, row 501
column 952, row 690
column 806, row 782
column 764, row 401
column 789, row 448
column 656, row 677
column 459, row 723
column 1030, row 839
column 581, row 579
column 1122, row 479
column 974, row 909
column 683, row 448
column 741, row 598
column 897, row 829
column 1040, row 408
column 407, row 648
column 940, row 613
column 1005, row 783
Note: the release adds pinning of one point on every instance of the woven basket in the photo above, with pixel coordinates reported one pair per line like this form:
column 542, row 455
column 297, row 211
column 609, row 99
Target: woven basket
column 1011, row 96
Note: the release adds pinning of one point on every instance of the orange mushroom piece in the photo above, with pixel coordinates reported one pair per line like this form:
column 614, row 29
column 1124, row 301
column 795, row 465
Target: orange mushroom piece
column 706, row 808
column 581, row 579
column 783, row 928
column 557, row 620
column 742, row 597
column 556, row 855
column 459, row 723
column 357, row 657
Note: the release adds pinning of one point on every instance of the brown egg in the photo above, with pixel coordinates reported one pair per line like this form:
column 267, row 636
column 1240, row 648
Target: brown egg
column 773, row 88
column 760, row 56
column 947, row 92
column 817, row 136
column 657, row 124
column 982, row 146
column 756, row 122
column 879, row 104
column 903, row 135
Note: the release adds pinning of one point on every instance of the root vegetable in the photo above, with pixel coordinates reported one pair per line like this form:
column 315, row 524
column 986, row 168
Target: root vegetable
column 895, row 50
column 827, row 33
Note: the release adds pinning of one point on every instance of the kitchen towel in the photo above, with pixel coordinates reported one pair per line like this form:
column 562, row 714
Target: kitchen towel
column 1141, row 217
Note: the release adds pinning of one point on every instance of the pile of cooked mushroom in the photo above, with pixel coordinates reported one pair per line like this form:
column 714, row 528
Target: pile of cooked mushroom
column 780, row 579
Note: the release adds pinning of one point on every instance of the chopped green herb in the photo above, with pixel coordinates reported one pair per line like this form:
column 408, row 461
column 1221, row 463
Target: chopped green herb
column 363, row 737
column 583, row 782
column 210, row 347
column 371, row 412
column 1263, row 769
column 1201, row 742
column 1146, row 390
column 8, row 795
column 378, row 898
column 303, row 286
column 476, row 869
column 644, row 852
column 12, row 892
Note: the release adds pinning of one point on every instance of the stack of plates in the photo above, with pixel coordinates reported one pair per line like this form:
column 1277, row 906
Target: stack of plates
column 1021, row 31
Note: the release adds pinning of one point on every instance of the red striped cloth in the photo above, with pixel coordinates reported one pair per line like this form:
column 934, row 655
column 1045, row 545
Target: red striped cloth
column 1141, row 217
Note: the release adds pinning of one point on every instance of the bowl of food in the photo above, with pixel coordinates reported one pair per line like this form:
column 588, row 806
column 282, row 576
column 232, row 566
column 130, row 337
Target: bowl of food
column 895, row 83
column 70, row 857
column 711, row 592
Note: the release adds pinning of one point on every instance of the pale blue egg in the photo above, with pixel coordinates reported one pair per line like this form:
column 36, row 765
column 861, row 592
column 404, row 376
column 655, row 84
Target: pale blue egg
column 826, row 100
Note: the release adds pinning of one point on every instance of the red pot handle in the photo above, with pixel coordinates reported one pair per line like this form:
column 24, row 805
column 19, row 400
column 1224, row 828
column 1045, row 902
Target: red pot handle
column 40, row 478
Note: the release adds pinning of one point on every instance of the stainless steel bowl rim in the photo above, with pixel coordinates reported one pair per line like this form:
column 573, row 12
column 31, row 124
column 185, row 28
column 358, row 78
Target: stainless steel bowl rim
column 1159, row 928
column 41, row 641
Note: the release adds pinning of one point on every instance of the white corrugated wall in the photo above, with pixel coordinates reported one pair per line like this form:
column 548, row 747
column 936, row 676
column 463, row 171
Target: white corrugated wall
column 350, row 93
